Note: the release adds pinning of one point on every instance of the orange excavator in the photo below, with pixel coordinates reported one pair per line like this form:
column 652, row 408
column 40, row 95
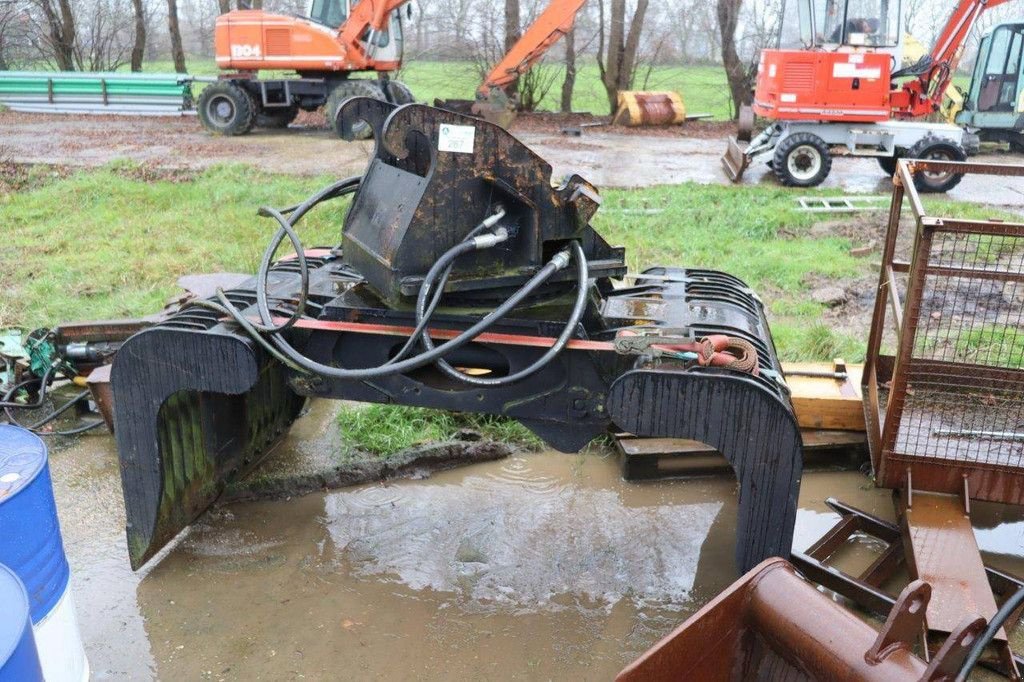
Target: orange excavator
column 334, row 40
column 834, row 88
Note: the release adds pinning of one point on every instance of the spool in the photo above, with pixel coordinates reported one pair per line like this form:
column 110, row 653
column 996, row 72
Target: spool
column 31, row 546
column 19, row 661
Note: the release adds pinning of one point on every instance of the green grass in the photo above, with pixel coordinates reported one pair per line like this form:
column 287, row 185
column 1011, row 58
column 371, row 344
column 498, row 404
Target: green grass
column 998, row 345
column 753, row 232
column 387, row 429
column 108, row 243
column 112, row 242
column 704, row 88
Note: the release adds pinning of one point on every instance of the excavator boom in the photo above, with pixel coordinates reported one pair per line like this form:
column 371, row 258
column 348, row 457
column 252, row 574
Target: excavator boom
column 367, row 20
column 554, row 22
column 923, row 95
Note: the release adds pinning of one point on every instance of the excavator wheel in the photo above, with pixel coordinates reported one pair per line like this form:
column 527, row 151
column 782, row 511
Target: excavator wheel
column 399, row 93
column 888, row 164
column 225, row 108
column 933, row 148
column 801, row 160
column 277, row 117
column 346, row 90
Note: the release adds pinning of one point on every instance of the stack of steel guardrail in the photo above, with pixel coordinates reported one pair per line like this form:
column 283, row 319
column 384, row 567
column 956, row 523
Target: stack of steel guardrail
column 63, row 92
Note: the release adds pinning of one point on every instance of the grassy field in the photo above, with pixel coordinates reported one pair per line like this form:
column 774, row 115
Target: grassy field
column 704, row 88
column 129, row 237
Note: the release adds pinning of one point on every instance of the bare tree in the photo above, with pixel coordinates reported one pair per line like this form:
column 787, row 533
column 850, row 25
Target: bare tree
column 14, row 28
column 104, row 36
column 736, row 70
column 616, row 55
column 569, row 81
column 139, row 46
column 57, row 41
column 177, row 52
column 513, row 31
column 225, row 6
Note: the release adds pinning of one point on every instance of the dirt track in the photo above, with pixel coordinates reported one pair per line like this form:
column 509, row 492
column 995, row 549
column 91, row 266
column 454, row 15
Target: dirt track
column 605, row 156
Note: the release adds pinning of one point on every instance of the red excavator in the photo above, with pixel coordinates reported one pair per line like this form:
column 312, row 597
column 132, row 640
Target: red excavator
column 333, row 41
column 833, row 88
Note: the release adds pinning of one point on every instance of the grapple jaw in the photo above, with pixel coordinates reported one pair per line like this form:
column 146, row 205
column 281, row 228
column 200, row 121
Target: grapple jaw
column 194, row 410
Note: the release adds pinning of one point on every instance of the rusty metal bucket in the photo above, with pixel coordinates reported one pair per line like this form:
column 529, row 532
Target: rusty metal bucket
column 654, row 108
column 496, row 107
column 771, row 624
column 735, row 160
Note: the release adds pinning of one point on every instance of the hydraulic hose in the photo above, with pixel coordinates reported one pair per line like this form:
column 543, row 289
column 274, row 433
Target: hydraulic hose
column 578, row 309
column 447, row 264
column 34, row 427
column 427, row 357
column 268, row 333
column 44, row 383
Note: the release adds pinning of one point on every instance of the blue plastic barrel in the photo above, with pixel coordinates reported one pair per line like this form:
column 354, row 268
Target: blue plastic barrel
column 30, row 542
column 18, row 659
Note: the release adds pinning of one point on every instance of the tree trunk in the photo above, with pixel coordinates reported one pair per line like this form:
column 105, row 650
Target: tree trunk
column 735, row 70
column 619, row 62
column 177, row 52
column 512, row 35
column 570, row 71
column 224, row 5
column 60, row 24
column 139, row 48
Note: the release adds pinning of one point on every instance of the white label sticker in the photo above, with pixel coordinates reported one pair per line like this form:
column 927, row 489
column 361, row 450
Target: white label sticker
column 847, row 70
column 772, row 71
column 856, row 59
column 456, row 139
column 787, row 97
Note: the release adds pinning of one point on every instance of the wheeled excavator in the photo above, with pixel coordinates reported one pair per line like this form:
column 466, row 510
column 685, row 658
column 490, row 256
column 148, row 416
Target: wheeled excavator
column 326, row 48
column 833, row 88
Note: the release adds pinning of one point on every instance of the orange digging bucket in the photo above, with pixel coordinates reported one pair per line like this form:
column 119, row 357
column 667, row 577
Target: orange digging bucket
column 771, row 624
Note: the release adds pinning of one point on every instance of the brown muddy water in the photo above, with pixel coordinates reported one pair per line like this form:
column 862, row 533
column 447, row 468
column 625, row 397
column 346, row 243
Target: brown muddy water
column 540, row 566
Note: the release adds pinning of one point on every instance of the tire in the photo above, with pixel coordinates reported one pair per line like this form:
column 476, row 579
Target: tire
column 801, row 160
column 276, row 117
column 888, row 164
column 346, row 90
column 399, row 93
column 936, row 148
column 225, row 108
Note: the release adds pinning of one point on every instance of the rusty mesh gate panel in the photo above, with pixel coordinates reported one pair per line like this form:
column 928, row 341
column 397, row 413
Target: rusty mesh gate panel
column 945, row 388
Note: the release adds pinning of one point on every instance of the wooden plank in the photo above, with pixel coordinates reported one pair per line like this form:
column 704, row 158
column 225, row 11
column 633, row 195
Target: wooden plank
column 826, row 403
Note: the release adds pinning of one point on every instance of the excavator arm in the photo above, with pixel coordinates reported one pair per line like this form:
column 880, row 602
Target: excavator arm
column 923, row 95
column 553, row 23
column 367, row 19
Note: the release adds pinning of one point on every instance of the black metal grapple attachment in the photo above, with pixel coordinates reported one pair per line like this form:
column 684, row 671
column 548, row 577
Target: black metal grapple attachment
column 199, row 400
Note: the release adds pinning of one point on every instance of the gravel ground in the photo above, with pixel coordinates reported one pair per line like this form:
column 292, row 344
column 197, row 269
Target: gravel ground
column 607, row 156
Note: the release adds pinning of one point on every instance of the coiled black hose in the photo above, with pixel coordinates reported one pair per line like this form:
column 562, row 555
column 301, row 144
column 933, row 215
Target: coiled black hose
column 268, row 333
column 578, row 309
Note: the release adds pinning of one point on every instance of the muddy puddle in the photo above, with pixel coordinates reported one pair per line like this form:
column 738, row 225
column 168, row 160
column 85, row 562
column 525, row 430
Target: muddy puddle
column 541, row 566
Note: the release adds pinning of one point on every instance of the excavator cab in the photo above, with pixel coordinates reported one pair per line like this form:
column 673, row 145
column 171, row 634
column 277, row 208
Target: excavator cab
column 841, row 24
column 833, row 62
column 387, row 44
column 995, row 98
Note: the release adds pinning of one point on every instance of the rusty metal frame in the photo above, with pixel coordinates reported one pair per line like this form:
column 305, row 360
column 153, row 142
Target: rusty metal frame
column 986, row 480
